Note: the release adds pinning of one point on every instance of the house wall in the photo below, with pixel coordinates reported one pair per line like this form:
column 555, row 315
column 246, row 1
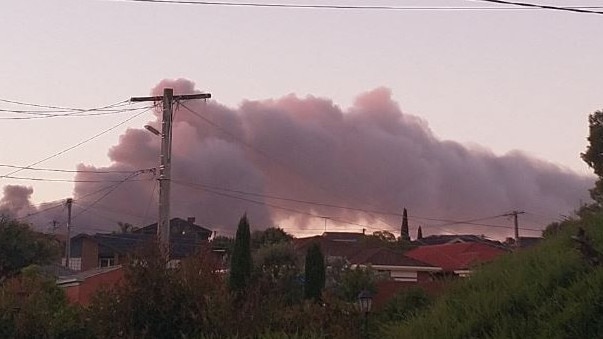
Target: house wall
column 72, row 293
column 84, row 292
column 424, row 276
column 89, row 254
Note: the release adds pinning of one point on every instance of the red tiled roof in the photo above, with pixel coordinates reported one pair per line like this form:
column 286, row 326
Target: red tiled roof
column 386, row 257
column 452, row 257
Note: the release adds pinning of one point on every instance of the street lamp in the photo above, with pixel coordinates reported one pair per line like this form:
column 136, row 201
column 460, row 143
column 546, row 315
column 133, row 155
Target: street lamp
column 152, row 130
column 365, row 301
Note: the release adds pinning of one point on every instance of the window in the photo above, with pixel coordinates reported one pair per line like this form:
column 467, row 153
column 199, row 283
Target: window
column 106, row 262
column 74, row 263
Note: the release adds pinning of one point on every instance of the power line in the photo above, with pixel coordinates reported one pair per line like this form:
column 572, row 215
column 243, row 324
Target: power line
column 547, row 7
column 119, row 103
column 447, row 222
column 275, row 197
column 351, row 7
column 280, row 207
column 63, row 180
column 68, row 171
column 107, row 193
column 49, row 114
column 76, row 145
column 61, row 203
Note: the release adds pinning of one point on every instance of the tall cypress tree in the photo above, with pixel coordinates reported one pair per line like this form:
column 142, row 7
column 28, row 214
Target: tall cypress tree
column 419, row 233
column 314, row 272
column 404, row 230
column 240, row 263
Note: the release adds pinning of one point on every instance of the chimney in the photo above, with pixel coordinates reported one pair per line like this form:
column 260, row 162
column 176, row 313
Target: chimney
column 190, row 220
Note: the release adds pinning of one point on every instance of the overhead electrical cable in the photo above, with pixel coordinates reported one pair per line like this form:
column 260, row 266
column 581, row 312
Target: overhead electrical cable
column 541, row 6
column 64, row 180
column 70, row 171
column 349, row 7
column 129, row 177
column 280, row 207
column 60, row 202
column 117, row 104
column 447, row 222
column 46, row 115
column 76, row 145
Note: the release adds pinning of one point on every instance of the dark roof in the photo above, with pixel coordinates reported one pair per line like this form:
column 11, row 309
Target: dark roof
column 386, row 257
column 458, row 256
column 178, row 226
column 527, row 242
column 83, row 275
column 329, row 247
column 440, row 239
column 343, row 236
column 56, row 270
column 128, row 243
column 342, row 245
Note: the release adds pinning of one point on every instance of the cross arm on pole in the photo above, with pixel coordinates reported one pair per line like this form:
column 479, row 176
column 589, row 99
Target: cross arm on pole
column 176, row 97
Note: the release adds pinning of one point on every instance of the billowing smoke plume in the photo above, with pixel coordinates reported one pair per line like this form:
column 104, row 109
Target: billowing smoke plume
column 227, row 162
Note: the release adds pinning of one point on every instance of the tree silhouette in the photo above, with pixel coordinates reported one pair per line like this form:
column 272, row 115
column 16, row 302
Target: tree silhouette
column 315, row 272
column 241, row 264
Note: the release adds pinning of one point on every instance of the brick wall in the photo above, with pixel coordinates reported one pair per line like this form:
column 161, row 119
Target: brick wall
column 89, row 254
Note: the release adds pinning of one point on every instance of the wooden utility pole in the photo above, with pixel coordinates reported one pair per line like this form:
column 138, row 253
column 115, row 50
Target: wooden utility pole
column 69, row 202
column 516, row 224
column 168, row 98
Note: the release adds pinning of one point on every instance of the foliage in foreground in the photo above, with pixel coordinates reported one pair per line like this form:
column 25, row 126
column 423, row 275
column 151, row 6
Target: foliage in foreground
column 548, row 292
column 20, row 247
column 32, row 306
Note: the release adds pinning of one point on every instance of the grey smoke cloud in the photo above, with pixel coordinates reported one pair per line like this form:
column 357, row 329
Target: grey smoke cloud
column 370, row 156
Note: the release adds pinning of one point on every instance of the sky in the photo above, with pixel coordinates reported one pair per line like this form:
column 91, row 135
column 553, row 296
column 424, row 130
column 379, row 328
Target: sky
column 501, row 80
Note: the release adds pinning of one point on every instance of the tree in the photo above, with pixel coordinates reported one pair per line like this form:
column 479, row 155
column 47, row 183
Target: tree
column 20, row 247
column 186, row 301
column 381, row 239
column 125, row 227
column 355, row 280
column 269, row 236
column 384, row 236
column 419, row 233
column 594, row 153
column 314, row 272
column 223, row 242
column 278, row 272
column 241, row 263
column 33, row 306
column 404, row 235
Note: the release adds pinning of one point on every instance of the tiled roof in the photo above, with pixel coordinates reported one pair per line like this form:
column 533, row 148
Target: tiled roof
column 343, row 236
column 126, row 243
column 330, row 248
column 177, row 226
column 56, row 270
column 386, row 257
column 459, row 256
column 440, row 239
column 80, row 276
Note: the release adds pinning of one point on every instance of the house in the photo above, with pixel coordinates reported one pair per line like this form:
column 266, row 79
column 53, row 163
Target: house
column 180, row 227
column 440, row 239
column 456, row 258
column 111, row 249
column 353, row 250
column 80, row 287
column 396, row 265
column 334, row 245
column 524, row 242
